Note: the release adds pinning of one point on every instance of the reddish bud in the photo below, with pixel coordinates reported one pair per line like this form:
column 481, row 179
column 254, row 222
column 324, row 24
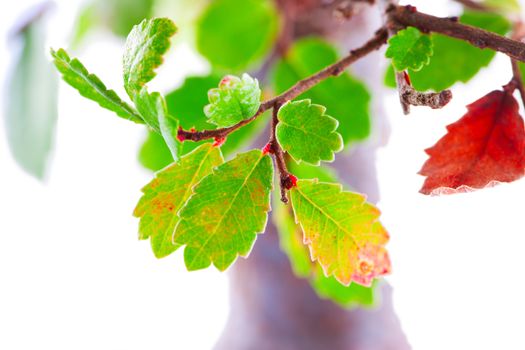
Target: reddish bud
column 225, row 81
column 407, row 78
column 219, row 141
column 411, row 8
column 267, row 149
column 180, row 135
column 289, row 182
column 193, row 130
column 293, row 179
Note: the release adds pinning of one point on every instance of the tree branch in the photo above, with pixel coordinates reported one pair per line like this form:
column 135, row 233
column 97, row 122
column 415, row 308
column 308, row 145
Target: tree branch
column 301, row 86
column 409, row 16
column 408, row 96
column 287, row 180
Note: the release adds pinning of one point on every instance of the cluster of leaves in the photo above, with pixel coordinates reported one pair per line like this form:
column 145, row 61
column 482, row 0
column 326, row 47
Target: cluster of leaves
column 487, row 145
column 214, row 207
column 213, row 203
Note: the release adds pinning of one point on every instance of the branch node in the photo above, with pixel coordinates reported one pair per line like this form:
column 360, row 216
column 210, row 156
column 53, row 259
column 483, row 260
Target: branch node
column 267, row 149
column 219, row 141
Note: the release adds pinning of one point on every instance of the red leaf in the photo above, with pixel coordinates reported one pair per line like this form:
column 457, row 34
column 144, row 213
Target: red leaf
column 484, row 147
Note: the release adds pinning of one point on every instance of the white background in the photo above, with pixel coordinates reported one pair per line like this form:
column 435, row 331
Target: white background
column 74, row 276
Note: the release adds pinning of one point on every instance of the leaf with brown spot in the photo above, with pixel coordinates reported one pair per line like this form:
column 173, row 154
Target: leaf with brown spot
column 226, row 211
column 484, row 147
column 165, row 195
column 342, row 230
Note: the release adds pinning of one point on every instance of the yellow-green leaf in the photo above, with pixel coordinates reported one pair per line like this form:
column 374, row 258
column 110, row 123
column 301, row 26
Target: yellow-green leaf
column 342, row 231
column 165, row 195
column 226, row 211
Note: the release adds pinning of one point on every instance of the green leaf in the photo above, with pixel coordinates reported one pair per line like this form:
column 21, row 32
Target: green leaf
column 122, row 15
column 153, row 109
column 307, row 133
column 347, row 296
column 90, row 86
column 344, row 97
column 119, row 16
column 234, row 100
column 166, row 194
column 145, row 45
column 509, row 6
column 86, row 20
column 226, row 211
column 154, row 154
column 291, row 240
column 308, row 171
column 462, row 60
column 234, row 34
column 187, row 103
column 31, row 101
column 409, row 48
column 342, row 231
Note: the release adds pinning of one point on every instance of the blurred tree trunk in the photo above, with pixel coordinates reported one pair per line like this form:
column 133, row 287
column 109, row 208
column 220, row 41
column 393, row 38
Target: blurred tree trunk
column 271, row 308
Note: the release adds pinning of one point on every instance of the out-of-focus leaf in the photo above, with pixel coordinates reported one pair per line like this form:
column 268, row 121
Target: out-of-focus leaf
column 86, row 20
column 455, row 60
column 119, row 16
column 409, row 48
column 226, row 211
column 233, row 34
column 510, row 6
column 165, row 195
column 154, row 154
column 348, row 296
column 308, row 171
column 31, row 107
column 145, row 45
column 90, row 86
column 344, row 97
column 307, row 133
column 122, row 15
column 234, row 100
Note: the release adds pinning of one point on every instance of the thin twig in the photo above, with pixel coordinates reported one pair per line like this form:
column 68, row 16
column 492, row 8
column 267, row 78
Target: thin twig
column 409, row 16
column 301, row 86
column 410, row 97
column 286, row 181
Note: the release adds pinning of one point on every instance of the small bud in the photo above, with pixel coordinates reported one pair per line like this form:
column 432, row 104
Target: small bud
column 289, row 182
column 180, row 135
column 267, row 149
column 219, row 141
column 407, row 78
column 411, row 8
